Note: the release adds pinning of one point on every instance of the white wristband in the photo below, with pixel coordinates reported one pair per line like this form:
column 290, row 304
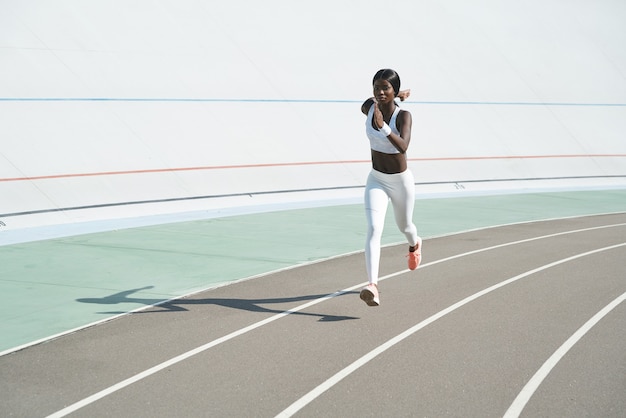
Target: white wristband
column 386, row 130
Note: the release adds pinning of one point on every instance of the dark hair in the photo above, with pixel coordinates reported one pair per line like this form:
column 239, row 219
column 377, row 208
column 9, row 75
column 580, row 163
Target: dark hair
column 389, row 75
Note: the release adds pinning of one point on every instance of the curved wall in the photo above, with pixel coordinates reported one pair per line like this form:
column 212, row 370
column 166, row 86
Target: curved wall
column 116, row 109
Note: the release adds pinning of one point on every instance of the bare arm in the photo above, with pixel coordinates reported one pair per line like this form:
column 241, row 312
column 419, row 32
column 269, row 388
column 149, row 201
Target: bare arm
column 404, row 122
column 365, row 107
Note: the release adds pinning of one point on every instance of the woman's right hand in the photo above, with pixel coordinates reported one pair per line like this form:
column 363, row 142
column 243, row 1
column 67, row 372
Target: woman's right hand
column 378, row 115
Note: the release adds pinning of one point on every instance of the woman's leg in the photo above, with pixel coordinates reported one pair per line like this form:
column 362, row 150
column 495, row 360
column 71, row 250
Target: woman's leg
column 376, row 201
column 403, row 201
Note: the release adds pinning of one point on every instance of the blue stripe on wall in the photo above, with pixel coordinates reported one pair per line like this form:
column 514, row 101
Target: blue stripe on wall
column 208, row 100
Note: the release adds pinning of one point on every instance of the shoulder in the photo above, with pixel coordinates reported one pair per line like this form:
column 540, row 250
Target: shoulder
column 403, row 119
column 365, row 107
column 404, row 115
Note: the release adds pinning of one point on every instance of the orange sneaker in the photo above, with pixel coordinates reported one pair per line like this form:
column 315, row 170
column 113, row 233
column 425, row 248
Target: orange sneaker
column 369, row 295
column 415, row 257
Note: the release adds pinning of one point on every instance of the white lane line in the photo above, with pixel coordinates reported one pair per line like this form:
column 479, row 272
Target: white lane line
column 316, row 392
column 528, row 391
column 155, row 369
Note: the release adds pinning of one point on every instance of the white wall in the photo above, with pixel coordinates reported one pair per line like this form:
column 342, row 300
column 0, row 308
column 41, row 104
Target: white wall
column 108, row 102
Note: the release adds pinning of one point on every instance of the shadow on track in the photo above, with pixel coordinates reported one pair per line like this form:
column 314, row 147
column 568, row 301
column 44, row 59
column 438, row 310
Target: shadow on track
column 178, row 305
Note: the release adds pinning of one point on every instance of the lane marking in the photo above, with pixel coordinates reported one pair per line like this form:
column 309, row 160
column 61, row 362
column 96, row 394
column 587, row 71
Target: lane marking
column 342, row 374
column 528, row 391
column 133, row 379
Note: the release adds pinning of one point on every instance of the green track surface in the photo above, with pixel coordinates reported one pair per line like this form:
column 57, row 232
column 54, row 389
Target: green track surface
column 56, row 285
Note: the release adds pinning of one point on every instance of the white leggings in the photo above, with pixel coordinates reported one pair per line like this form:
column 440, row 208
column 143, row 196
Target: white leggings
column 380, row 188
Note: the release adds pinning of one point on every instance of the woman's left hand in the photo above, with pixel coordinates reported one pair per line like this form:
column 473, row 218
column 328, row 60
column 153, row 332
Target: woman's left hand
column 404, row 94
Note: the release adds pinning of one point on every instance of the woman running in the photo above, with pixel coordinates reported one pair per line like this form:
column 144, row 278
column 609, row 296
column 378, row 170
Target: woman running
column 389, row 131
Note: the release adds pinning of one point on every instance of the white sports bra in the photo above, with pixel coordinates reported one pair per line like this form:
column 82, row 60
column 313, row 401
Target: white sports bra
column 378, row 140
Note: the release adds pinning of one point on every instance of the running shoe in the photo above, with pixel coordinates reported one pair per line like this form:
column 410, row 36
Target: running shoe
column 369, row 294
column 415, row 257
